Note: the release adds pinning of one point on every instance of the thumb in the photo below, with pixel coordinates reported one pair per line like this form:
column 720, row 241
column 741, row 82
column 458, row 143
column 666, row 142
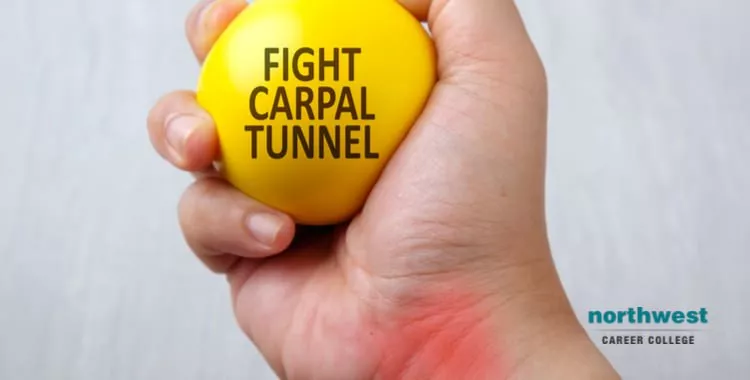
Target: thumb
column 491, row 97
column 474, row 36
column 480, row 141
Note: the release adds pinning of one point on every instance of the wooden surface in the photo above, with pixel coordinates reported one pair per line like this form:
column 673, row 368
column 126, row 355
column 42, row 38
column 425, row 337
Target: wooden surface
column 648, row 186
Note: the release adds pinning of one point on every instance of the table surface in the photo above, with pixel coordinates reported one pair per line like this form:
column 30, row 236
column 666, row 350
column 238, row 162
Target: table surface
column 649, row 148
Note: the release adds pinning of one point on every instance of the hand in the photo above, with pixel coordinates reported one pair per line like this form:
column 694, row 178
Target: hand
column 446, row 273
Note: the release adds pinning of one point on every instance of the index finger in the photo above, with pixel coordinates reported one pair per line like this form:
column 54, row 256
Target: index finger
column 207, row 21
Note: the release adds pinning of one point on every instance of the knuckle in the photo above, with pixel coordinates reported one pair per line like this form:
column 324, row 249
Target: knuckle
column 191, row 215
column 166, row 105
column 194, row 195
column 155, row 115
column 198, row 247
column 220, row 264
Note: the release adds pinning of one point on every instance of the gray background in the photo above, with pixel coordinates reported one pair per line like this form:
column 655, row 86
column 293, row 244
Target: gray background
column 648, row 178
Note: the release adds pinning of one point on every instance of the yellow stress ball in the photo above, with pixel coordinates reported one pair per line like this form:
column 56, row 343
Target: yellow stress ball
column 311, row 99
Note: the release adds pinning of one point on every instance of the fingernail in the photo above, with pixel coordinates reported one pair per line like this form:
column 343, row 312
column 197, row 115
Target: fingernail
column 177, row 131
column 264, row 227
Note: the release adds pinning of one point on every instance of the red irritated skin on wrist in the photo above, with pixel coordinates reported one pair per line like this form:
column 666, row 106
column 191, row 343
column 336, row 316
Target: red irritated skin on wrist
column 446, row 337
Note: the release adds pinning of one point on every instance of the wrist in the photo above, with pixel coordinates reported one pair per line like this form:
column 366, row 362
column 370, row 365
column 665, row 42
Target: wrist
column 553, row 346
column 524, row 330
column 538, row 333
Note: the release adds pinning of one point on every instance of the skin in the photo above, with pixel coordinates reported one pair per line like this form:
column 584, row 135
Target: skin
column 446, row 273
